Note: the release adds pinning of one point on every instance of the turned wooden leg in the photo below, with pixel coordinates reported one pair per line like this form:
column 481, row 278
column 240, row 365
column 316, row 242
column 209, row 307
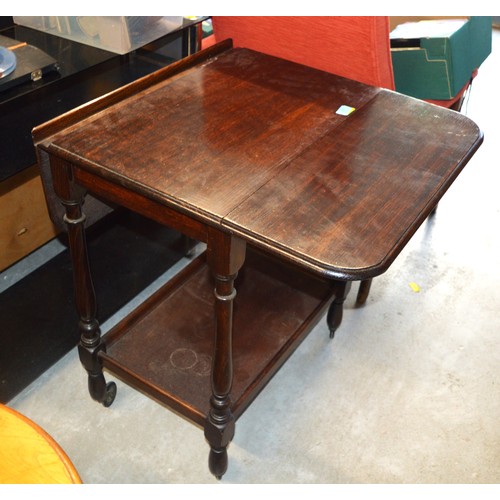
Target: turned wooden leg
column 335, row 311
column 219, row 429
column 225, row 256
column 71, row 197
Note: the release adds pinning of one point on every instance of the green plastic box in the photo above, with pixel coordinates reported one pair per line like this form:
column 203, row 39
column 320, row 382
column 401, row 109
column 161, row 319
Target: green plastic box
column 434, row 59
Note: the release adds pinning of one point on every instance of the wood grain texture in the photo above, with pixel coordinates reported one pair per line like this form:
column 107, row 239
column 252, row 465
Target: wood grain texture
column 350, row 203
column 254, row 143
column 245, row 150
column 28, row 455
column 213, row 137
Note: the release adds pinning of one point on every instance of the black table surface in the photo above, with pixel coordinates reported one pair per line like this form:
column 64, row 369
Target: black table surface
column 85, row 73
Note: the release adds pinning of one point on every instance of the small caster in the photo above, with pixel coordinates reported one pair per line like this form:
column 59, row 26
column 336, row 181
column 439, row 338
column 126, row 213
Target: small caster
column 109, row 395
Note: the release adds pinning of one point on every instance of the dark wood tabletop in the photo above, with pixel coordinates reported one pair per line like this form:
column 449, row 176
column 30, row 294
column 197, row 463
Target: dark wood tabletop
column 255, row 143
column 249, row 154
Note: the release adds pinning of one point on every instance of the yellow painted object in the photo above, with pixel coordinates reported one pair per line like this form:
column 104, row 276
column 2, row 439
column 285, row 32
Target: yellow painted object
column 28, row 455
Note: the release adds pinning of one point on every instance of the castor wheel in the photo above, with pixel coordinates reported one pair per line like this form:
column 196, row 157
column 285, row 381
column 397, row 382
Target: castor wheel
column 109, row 395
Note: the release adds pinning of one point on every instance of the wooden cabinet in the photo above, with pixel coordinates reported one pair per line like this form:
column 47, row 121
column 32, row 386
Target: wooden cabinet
column 24, row 220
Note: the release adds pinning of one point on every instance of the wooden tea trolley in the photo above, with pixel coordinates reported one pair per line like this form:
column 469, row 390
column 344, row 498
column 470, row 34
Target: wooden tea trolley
column 294, row 199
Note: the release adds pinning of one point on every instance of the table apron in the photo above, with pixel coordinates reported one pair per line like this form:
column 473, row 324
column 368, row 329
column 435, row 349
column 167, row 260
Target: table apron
column 145, row 206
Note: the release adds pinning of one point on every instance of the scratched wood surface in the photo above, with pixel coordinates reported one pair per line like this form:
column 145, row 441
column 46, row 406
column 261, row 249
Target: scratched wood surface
column 255, row 143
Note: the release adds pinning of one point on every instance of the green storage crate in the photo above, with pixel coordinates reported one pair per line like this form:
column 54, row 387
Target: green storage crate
column 434, row 59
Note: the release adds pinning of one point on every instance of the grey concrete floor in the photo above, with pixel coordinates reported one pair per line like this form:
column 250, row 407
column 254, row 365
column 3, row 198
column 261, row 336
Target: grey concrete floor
column 408, row 392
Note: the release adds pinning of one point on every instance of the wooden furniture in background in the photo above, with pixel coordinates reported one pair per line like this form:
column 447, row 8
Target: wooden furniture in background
column 85, row 72
column 28, row 455
column 25, row 224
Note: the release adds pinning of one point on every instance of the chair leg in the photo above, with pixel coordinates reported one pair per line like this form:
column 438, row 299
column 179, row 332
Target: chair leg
column 457, row 106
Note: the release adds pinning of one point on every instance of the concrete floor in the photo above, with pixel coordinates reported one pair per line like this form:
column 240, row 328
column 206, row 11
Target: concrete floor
column 407, row 392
